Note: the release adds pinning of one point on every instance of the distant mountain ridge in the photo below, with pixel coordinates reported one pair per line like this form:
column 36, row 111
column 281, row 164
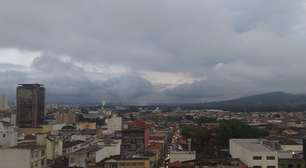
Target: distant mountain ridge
column 273, row 101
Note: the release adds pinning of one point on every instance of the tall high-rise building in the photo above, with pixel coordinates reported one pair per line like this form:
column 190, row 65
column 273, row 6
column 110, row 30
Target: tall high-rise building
column 133, row 142
column 30, row 105
column 3, row 102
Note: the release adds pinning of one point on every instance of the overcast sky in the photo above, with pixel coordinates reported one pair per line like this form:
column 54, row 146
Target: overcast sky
column 153, row 51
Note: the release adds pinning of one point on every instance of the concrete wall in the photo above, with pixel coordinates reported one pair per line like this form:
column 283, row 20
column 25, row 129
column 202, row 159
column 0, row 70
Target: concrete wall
column 15, row 158
column 8, row 135
column 107, row 151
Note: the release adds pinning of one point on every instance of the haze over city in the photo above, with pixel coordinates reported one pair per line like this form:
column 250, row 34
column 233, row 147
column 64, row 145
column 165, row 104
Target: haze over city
column 161, row 51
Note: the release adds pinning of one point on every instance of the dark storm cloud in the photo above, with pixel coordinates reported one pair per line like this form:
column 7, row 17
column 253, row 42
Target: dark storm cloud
column 230, row 48
column 68, row 83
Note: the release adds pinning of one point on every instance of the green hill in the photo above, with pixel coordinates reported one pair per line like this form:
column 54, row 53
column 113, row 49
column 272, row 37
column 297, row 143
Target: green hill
column 274, row 101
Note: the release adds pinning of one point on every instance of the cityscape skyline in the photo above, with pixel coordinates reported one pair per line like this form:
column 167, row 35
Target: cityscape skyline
column 153, row 84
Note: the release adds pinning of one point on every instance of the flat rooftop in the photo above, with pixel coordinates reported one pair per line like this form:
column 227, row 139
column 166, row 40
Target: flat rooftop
column 253, row 145
column 30, row 85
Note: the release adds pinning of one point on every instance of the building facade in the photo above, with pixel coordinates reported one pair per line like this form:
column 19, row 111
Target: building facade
column 8, row 134
column 66, row 117
column 30, row 105
column 30, row 157
column 128, row 163
column 114, row 124
column 133, row 142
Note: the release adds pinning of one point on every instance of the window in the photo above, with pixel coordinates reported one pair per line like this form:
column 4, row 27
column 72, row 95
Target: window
column 4, row 135
column 270, row 157
column 34, row 154
column 299, row 166
column 290, row 165
column 256, row 157
column 256, row 166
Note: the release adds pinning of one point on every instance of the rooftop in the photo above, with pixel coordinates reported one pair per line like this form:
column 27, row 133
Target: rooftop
column 31, row 85
column 253, row 145
column 28, row 145
column 90, row 149
column 72, row 143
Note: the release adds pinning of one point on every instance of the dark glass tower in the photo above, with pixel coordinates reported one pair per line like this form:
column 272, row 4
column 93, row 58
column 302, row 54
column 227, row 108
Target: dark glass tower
column 30, row 105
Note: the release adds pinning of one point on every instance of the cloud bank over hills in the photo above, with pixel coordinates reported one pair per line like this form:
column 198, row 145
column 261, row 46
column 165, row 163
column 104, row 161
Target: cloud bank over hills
column 160, row 51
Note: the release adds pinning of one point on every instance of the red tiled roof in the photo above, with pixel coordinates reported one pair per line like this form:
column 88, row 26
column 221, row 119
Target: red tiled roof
column 182, row 141
column 176, row 164
column 155, row 145
column 157, row 137
column 140, row 123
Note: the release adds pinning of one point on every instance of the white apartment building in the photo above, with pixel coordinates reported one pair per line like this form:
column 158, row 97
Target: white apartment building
column 113, row 124
column 253, row 153
column 94, row 153
column 8, row 134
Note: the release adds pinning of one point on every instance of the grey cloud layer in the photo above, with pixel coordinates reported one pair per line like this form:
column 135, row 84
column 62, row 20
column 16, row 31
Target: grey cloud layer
column 240, row 46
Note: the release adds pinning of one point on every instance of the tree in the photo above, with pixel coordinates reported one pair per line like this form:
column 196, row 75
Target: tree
column 68, row 127
column 203, row 120
column 236, row 129
column 202, row 140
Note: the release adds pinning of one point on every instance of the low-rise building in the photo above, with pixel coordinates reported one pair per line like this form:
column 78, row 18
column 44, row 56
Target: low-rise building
column 73, row 146
column 23, row 156
column 87, row 125
column 113, row 124
column 108, row 149
column 253, row 153
column 65, row 117
column 85, row 157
